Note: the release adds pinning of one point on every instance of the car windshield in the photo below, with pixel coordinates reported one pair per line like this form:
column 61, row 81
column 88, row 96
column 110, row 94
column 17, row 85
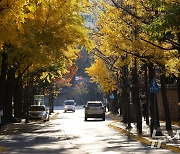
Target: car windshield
column 37, row 108
column 69, row 103
column 94, row 104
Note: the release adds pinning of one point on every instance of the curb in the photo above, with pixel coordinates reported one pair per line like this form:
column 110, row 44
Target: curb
column 139, row 138
column 53, row 117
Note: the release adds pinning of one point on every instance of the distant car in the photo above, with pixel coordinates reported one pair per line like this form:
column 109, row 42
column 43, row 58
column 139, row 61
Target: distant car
column 94, row 109
column 69, row 105
column 39, row 112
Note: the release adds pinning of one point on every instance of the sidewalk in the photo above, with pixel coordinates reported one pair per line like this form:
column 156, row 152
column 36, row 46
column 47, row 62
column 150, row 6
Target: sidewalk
column 170, row 140
column 14, row 128
column 10, row 126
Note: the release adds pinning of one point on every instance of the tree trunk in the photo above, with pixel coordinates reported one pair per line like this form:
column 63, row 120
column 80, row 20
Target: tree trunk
column 25, row 102
column 115, row 102
column 51, row 100
column 3, row 79
column 3, row 83
column 165, row 103
column 18, row 99
column 147, row 96
column 178, row 84
column 9, row 95
column 136, row 99
column 153, row 101
column 125, row 95
column 178, row 80
column 120, row 104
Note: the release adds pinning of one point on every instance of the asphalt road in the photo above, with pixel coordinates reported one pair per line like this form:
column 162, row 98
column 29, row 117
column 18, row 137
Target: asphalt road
column 70, row 134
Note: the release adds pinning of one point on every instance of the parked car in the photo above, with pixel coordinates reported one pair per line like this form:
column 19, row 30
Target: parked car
column 69, row 105
column 94, row 109
column 39, row 112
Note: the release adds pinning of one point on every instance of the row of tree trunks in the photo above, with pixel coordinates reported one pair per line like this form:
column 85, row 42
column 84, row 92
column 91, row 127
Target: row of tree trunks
column 9, row 90
column 151, row 99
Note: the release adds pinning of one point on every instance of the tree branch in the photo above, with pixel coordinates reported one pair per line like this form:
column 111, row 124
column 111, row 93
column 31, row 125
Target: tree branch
column 157, row 45
column 127, row 11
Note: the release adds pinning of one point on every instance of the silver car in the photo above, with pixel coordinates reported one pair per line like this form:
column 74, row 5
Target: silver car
column 94, row 109
column 69, row 105
column 39, row 112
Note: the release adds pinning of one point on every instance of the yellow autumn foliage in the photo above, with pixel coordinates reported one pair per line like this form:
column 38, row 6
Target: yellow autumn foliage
column 100, row 75
column 42, row 32
column 121, row 33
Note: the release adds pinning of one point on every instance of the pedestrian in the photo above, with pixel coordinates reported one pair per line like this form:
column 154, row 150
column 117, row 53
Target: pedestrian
column 144, row 110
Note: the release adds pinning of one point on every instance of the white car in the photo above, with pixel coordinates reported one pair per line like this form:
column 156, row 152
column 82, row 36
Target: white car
column 39, row 112
column 94, row 109
column 69, row 105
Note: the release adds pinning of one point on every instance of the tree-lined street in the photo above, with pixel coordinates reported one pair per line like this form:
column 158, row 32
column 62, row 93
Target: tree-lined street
column 69, row 133
column 124, row 53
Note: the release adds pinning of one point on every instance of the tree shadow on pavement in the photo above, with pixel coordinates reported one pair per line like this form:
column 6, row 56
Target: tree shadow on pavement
column 33, row 138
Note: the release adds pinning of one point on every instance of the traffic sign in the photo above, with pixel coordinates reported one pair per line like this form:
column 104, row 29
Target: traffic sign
column 153, row 87
column 111, row 96
column 77, row 78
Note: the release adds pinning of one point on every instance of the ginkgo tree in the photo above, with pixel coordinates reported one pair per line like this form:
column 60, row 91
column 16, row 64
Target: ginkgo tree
column 38, row 34
column 158, row 35
column 130, row 29
column 101, row 75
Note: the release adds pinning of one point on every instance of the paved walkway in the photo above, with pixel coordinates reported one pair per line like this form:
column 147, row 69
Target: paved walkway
column 13, row 128
column 169, row 140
